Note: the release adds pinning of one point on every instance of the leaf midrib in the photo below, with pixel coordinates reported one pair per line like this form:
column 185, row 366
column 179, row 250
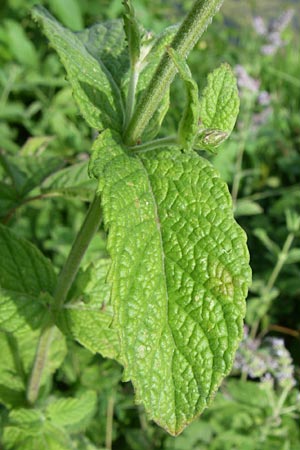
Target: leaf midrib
column 158, row 228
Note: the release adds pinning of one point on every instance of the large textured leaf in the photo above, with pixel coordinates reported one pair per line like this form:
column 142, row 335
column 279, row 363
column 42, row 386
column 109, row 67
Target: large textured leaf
column 95, row 91
column 219, row 108
column 89, row 315
column 179, row 275
column 25, row 276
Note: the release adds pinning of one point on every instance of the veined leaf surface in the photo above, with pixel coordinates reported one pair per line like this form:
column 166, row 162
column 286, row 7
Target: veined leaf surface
column 179, row 274
column 219, row 106
column 95, row 91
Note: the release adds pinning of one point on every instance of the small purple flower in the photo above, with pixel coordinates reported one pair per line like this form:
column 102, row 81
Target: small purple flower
column 272, row 32
column 245, row 81
column 281, row 23
column 264, row 98
column 259, row 25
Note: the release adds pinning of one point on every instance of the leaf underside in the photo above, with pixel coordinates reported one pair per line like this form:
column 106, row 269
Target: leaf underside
column 179, row 275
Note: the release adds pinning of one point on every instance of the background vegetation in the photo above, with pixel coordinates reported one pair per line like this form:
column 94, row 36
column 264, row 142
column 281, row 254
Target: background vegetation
column 41, row 132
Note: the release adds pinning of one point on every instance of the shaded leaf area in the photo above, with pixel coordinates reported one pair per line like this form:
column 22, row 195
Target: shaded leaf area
column 88, row 317
column 51, row 426
column 107, row 43
column 19, row 349
column 71, row 182
column 179, row 275
column 23, row 174
column 97, row 95
column 97, row 63
column 26, row 279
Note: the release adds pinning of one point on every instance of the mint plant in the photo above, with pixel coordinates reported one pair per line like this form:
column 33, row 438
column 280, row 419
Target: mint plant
column 168, row 304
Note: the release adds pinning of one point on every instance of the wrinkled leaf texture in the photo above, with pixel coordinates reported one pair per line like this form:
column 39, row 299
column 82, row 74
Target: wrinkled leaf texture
column 179, row 275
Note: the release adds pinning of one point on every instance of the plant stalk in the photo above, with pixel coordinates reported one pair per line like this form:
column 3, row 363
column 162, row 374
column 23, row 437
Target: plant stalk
column 274, row 275
column 185, row 39
column 40, row 362
column 80, row 245
column 65, row 280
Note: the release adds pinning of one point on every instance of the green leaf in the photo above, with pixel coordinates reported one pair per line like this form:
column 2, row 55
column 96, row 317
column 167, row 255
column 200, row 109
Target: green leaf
column 71, row 182
column 27, row 172
column 19, row 350
column 72, row 413
column 95, row 91
column 107, row 44
column 29, row 430
column 8, row 198
column 25, row 276
column 189, row 122
column 35, row 145
column 261, row 234
column 88, row 318
column 68, row 12
column 247, row 208
column 19, row 44
column 12, row 383
column 132, row 31
column 293, row 256
column 219, row 106
column 179, row 275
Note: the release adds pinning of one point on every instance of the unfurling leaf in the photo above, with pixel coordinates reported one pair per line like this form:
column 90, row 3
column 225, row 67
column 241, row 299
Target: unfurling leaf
column 179, row 275
column 132, row 32
column 219, row 106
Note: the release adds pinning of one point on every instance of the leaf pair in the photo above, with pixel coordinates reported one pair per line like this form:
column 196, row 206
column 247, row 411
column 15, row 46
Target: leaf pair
column 97, row 63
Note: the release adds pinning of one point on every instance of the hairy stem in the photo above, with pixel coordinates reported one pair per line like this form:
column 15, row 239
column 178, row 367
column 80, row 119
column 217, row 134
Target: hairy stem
column 80, row 245
column 40, row 362
column 109, row 423
column 65, row 280
column 274, row 275
column 185, row 39
column 280, row 261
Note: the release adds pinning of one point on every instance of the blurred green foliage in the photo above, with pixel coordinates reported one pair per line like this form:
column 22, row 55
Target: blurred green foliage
column 41, row 133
